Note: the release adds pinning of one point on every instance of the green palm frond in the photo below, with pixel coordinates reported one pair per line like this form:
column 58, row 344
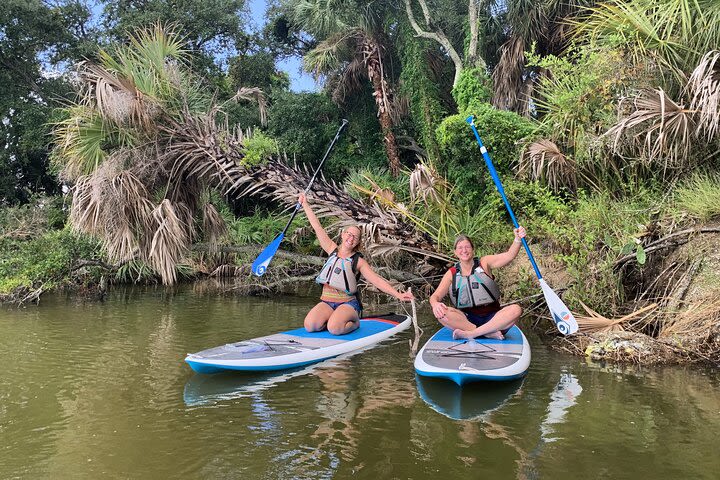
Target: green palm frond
column 83, row 140
column 673, row 33
column 322, row 17
column 327, row 56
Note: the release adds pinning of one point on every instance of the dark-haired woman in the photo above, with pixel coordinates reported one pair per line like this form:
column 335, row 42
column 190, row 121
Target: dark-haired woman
column 474, row 293
column 339, row 308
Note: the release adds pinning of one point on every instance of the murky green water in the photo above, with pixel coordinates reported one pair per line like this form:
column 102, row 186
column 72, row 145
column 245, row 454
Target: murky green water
column 100, row 390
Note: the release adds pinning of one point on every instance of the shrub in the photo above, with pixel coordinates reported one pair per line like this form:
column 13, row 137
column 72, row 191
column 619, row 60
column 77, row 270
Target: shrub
column 258, row 148
column 47, row 259
column 501, row 132
column 474, row 87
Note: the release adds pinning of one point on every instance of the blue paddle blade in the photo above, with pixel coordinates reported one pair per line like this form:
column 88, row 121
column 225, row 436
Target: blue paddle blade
column 263, row 260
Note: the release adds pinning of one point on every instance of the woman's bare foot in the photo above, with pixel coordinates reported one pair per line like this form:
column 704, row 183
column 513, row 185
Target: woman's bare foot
column 460, row 333
column 495, row 335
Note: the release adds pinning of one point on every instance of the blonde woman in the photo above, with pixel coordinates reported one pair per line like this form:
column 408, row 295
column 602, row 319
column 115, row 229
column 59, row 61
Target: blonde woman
column 339, row 309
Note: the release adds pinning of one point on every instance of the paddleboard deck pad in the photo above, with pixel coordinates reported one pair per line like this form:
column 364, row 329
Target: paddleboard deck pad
column 464, row 361
column 295, row 348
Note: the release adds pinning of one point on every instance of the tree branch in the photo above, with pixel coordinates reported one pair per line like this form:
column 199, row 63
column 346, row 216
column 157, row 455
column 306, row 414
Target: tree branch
column 439, row 36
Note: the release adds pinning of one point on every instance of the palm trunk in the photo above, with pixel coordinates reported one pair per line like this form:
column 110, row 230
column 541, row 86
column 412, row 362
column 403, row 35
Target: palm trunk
column 383, row 97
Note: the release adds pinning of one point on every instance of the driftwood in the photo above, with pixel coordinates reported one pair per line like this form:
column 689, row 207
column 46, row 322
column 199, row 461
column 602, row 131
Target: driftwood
column 672, row 240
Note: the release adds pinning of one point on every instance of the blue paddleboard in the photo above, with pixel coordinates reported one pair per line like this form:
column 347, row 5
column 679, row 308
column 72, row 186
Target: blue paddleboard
column 464, row 361
column 294, row 348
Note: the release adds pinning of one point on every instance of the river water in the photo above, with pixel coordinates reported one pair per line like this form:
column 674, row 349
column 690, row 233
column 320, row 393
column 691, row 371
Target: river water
column 100, row 390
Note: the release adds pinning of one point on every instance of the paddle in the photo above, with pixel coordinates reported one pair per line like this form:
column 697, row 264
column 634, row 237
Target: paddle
column 263, row 260
column 564, row 319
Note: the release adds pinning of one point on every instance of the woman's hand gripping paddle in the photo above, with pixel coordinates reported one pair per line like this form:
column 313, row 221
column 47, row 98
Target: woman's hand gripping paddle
column 564, row 319
column 261, row 263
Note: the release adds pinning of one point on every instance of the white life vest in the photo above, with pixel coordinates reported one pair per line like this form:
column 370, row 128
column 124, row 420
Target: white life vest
column 340, row 273
column 475, row 290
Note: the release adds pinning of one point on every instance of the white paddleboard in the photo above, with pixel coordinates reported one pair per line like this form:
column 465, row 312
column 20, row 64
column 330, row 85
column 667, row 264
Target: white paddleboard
column 295, row 348
column 464, row 361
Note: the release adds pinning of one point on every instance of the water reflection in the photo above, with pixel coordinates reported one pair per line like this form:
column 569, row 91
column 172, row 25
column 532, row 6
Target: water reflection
column 563, row 396
column 473, row 401
column 206, row 390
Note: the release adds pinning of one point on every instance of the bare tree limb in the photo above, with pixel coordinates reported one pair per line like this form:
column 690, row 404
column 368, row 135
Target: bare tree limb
column 438, row 35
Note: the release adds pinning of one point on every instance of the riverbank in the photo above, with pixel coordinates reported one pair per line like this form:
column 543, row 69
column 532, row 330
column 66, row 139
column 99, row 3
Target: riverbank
column 657, row 304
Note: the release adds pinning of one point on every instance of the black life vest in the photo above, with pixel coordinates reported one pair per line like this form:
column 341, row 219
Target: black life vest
column 341, row 273
column 476, row 290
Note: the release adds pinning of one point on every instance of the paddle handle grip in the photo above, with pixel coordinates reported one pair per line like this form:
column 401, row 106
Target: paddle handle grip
column 343, row 124
column 498, row 184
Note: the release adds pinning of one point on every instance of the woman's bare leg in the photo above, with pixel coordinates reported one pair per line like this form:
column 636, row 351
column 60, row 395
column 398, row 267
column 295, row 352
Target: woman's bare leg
column 503, row 319
column 455, row 319
column 317, row 317
column 343, row 320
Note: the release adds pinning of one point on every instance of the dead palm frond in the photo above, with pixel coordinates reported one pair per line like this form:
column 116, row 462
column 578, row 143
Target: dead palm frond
column 170, row 240
column 542, row 160
column 214, row 225
column 426, row 184
column 704, row 89
column 255, row 94
column 507, row 77
column 595, row 322
column 658, row 127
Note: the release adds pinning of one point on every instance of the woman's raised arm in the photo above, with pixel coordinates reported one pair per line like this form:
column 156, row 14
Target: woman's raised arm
column 326, row 242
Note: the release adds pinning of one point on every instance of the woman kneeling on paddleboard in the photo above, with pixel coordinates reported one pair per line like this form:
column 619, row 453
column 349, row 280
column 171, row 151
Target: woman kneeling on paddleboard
column 475, row 294
column 339, row 308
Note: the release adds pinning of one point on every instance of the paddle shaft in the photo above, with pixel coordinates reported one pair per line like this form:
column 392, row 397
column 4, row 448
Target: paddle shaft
column 317, row 170
column 501, row 191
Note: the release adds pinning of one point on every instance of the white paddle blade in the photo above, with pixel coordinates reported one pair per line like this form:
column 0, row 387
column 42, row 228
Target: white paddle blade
column 564, row 319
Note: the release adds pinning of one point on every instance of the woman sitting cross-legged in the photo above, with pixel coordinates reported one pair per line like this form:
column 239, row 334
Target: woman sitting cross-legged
column 339, row 308
column 475, row 294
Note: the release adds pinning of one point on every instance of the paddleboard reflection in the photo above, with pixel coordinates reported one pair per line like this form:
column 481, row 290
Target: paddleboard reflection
column 473, row 401
column 202, row 390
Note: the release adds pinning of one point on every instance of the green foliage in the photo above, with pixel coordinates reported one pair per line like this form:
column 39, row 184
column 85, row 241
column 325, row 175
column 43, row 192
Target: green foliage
column 303, row 124
column 700, row 196
column 593, row 234
column 423, row 87
column 260, row 228
column 135, row 271
column 212, row 29
column 668, row 37
column 501, row 132
column 45, row 260
column 258, row 148
column 257, row 70
column 576, row 101
column 35, row 36
column 534, row 204
column 362, row 144
column 473, row 88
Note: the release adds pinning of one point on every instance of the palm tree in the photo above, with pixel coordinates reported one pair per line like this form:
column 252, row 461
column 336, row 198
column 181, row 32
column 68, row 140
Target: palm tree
column 354, row 47
column 529, row 22
column 144, row 146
